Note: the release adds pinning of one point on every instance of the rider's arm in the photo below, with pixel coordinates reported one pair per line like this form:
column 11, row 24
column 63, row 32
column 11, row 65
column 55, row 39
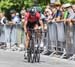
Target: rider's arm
column 25, row 22
column 25, row 26
column 40, row 20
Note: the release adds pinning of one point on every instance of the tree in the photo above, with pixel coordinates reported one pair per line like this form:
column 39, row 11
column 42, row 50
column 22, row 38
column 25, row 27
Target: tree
column 68, row 1
column 17, row 4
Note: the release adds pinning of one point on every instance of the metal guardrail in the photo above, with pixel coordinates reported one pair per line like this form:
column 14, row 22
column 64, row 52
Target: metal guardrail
column 60, row 38
column 12, row 34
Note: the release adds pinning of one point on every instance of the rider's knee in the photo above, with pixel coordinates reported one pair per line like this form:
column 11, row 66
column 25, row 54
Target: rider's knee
column 27, row 39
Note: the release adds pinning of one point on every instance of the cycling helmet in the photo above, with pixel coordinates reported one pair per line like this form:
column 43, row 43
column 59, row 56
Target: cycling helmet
column 32, row 11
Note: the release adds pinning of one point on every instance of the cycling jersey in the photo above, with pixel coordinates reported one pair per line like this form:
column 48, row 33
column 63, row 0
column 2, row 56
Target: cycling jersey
column 30, row 18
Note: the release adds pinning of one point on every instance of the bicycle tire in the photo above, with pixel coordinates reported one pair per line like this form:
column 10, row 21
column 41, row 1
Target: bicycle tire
column 35, row 56
column 38, row 50
column 32, row 51
column 28, row 55
column 38, row 55
column 32, row 58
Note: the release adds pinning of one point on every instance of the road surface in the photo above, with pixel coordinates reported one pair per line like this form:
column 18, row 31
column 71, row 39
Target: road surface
column 15, row 59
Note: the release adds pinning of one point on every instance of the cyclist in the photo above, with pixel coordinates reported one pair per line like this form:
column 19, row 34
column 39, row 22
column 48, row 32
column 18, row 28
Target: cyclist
column 32, row 21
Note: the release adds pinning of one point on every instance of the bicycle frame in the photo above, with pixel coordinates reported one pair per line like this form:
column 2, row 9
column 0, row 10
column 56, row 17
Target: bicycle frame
column 34, row 51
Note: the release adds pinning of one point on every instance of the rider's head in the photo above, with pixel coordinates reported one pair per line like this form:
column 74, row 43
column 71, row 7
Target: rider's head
column 32, row 12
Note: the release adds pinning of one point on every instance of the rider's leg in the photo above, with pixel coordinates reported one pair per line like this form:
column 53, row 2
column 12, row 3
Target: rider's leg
column 26, row 46
column 27, row 40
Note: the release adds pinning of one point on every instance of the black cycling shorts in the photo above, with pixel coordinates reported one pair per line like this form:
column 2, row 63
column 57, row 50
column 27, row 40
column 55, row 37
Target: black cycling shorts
column 31, row 25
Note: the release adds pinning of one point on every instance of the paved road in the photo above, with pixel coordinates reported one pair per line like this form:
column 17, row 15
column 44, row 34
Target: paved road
column 15, row 59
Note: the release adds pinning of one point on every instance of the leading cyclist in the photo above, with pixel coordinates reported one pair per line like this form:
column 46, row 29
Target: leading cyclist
column 32, row 21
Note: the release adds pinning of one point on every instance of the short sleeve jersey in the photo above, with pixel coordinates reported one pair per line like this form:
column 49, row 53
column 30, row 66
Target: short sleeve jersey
column 30, row 18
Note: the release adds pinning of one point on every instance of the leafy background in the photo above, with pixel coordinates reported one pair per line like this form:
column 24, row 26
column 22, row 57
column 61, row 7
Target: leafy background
column 17, row 4
column 7, row 5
